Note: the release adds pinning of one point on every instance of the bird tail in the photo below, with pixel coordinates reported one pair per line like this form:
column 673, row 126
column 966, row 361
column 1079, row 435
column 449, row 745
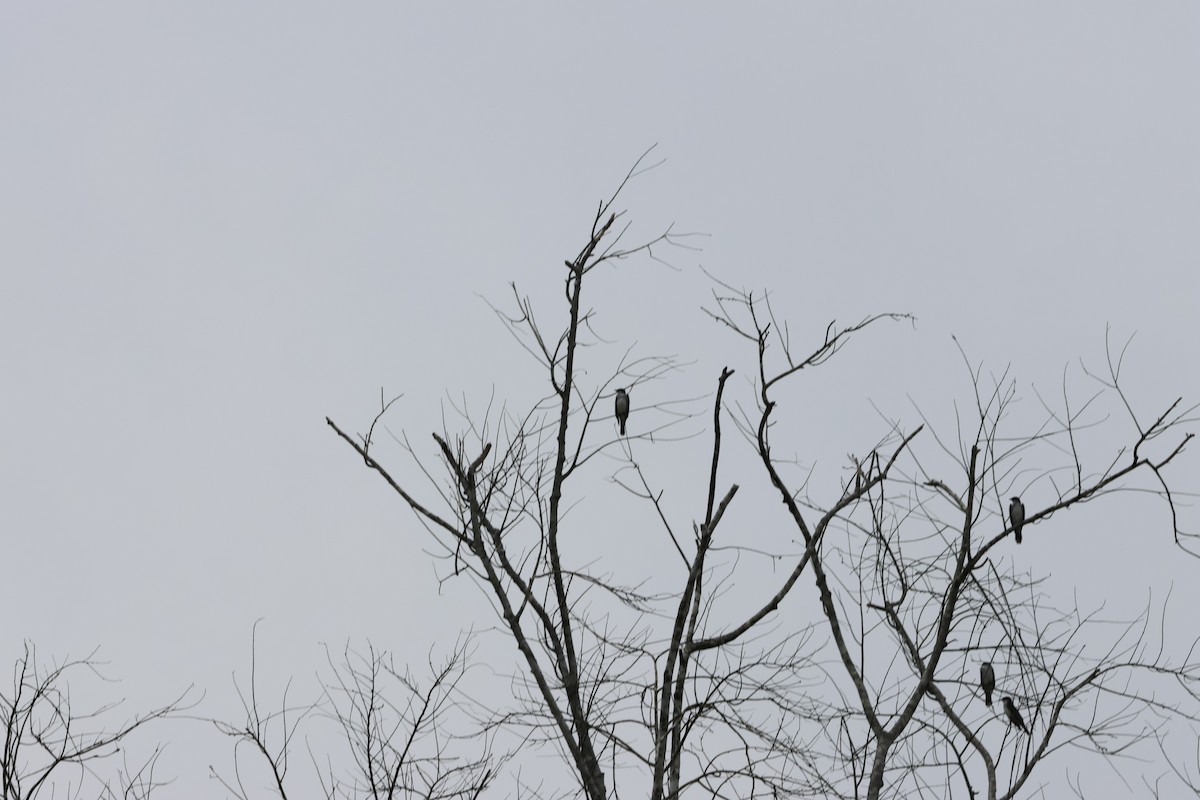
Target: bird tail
column 1018, row 533
column 622, row 427
column 987, row 699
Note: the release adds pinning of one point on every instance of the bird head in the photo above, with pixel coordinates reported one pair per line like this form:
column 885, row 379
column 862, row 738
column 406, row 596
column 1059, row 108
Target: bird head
column 987, row 663
column 1014, row 500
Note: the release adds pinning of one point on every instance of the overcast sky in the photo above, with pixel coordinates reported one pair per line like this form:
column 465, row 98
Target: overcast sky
column 221, row 222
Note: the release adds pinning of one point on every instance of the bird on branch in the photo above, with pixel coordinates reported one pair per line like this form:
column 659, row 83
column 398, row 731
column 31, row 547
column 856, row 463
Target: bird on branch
column 1016, row 515
column 987, row 681
column 1014, row 716
column 622, row 409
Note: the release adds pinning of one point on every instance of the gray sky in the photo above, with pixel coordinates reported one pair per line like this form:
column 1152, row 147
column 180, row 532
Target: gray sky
column 220, row 222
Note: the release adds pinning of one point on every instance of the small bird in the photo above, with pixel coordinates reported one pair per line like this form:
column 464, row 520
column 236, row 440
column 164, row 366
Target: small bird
column 1014, row 716
column 1016, row 515
column 622, row 409
column 987, row 680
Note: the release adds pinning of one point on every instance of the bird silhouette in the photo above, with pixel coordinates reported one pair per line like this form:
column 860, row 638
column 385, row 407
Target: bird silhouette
column 622, row 405
column 1014, row 716
column 1016, row 515
column 987, row 680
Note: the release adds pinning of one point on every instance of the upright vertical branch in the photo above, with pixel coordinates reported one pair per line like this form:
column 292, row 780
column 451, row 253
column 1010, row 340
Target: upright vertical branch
column 671, row 697
column 589, row 765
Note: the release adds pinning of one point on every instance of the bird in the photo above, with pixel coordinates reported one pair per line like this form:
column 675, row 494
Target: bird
column 1014, row 716
column 987, row 680
column 1016, row 515
column 622, row 409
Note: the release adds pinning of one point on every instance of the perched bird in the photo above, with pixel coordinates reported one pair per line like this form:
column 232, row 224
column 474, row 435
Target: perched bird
column 622, row 409
column 1016, row 515
column 987, row 680
column 1014, row 716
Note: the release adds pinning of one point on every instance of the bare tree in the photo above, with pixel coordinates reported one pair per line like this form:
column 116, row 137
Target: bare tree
column 902, row 561
column 683, row 689
column 52, row 747
column 398, row 734
column 406, row 747
column 267, row 735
